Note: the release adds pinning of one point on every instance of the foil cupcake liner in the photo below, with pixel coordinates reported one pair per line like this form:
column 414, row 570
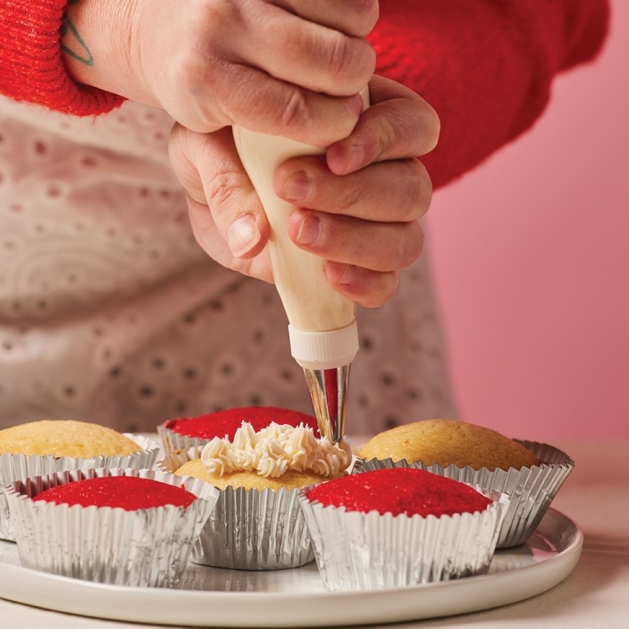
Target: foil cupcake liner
column 531, row 490
column 173, row 441
column 249, row 529
column 14, row 467
column 142, row 548
column 373, row 551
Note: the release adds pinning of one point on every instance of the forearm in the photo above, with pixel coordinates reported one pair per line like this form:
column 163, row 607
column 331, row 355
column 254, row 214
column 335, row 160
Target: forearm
column 97, row 43
column 31, row 67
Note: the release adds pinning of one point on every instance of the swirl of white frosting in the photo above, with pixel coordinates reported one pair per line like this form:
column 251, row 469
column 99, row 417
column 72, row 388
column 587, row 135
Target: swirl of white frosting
column 273, row 451
column 219, row 458
column 246, row 456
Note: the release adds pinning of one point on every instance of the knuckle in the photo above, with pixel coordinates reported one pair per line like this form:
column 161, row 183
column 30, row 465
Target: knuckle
column 348, row 199
column 371, row 13
column 225, row 186
column 295, row 113
column 388, row 136
column 340, row 56
column 408, row 192
column 364, row 16
column 417, row 190
column 432, row 126
column 425, row 190
column 350, row 61
column 185, row 66
column 414, row 245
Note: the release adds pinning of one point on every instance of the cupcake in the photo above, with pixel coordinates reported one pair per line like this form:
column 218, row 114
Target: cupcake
column 180, row 434
column 396, row 527
column 529, row 473
column 121, row 527
column 257, row 523
column 48, row 446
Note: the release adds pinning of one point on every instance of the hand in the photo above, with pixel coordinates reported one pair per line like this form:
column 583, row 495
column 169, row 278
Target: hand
column 286, row 67
column 358, row 208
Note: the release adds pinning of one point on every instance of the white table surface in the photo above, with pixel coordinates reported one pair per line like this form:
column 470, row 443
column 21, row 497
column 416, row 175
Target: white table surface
column 595, row 595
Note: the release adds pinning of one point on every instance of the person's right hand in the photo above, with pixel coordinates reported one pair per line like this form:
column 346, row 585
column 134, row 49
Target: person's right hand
column 284, row 67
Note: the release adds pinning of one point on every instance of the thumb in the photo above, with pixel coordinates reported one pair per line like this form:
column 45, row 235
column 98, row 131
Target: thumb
column 222, row 200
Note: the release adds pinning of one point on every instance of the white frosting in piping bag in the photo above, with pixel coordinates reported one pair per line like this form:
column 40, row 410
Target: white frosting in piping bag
column 323, row 333
column 274, row 450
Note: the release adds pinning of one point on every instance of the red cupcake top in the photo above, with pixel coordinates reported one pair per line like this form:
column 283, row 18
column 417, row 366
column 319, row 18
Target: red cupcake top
column 400, row 491
column 126, row 492
column 224, row 424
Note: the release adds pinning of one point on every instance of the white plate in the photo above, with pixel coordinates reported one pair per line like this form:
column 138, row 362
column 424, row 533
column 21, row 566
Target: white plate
column 297, row 598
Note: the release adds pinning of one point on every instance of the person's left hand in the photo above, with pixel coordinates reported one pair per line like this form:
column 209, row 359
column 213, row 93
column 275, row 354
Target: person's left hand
column 358, row 208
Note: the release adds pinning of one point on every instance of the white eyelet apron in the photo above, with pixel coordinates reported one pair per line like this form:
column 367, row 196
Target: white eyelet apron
column 110, row 312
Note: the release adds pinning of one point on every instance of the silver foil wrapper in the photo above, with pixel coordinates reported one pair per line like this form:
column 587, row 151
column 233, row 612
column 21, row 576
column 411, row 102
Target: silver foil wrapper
column 144, row 548
column 15, row 467
column 530, row 489
column 173, row 441
column 373, row 551
column 249, row 529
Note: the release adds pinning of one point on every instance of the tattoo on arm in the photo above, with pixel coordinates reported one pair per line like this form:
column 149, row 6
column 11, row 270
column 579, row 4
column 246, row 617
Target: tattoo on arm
column 72, row 43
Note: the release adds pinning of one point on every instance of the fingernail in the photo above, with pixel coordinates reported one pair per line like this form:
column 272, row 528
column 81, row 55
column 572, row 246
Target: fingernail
column 349, row 275
column 297, row 187
column 309, row 231
column 243, row 235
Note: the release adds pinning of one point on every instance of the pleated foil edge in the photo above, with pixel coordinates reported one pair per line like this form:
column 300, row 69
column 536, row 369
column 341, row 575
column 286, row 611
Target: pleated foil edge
column 14, row 467
column 370, row 551
column 249, row 529
column 143, row 548
column 173, row 441
column 531, row 490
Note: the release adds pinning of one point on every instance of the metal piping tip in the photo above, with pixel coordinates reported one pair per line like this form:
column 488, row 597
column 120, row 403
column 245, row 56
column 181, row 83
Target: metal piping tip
column 328, row 392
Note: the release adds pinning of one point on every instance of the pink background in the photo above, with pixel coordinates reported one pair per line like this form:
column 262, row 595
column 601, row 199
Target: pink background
column 531, row 257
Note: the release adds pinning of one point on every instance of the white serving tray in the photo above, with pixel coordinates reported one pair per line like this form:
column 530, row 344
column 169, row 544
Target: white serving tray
column 212, row 597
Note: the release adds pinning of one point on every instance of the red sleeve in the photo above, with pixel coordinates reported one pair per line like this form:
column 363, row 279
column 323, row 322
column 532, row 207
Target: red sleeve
column 486, row 66
column 31, row 66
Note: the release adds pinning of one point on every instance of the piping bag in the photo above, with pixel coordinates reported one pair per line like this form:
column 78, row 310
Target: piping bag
column 322, row 325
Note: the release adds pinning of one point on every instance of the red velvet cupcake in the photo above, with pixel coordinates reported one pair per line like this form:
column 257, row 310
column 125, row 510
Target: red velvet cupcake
column 183, row 433
column 121, row 527
column 397, row 527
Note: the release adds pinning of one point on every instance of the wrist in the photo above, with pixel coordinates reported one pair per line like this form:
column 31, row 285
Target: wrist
column 97, row 38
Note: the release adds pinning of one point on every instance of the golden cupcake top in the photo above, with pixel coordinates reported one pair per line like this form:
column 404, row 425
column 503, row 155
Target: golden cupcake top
column 65, row 438
column 449, row 442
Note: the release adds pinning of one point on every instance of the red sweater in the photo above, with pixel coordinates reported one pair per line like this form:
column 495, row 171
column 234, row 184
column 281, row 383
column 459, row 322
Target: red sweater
column 485, row 65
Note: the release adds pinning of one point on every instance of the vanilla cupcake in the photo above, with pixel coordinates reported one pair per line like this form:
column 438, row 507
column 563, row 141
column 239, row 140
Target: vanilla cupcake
column 48, row 446
column 121, row 527
column 529, row 473
column 395, row 527
column 258, row 524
